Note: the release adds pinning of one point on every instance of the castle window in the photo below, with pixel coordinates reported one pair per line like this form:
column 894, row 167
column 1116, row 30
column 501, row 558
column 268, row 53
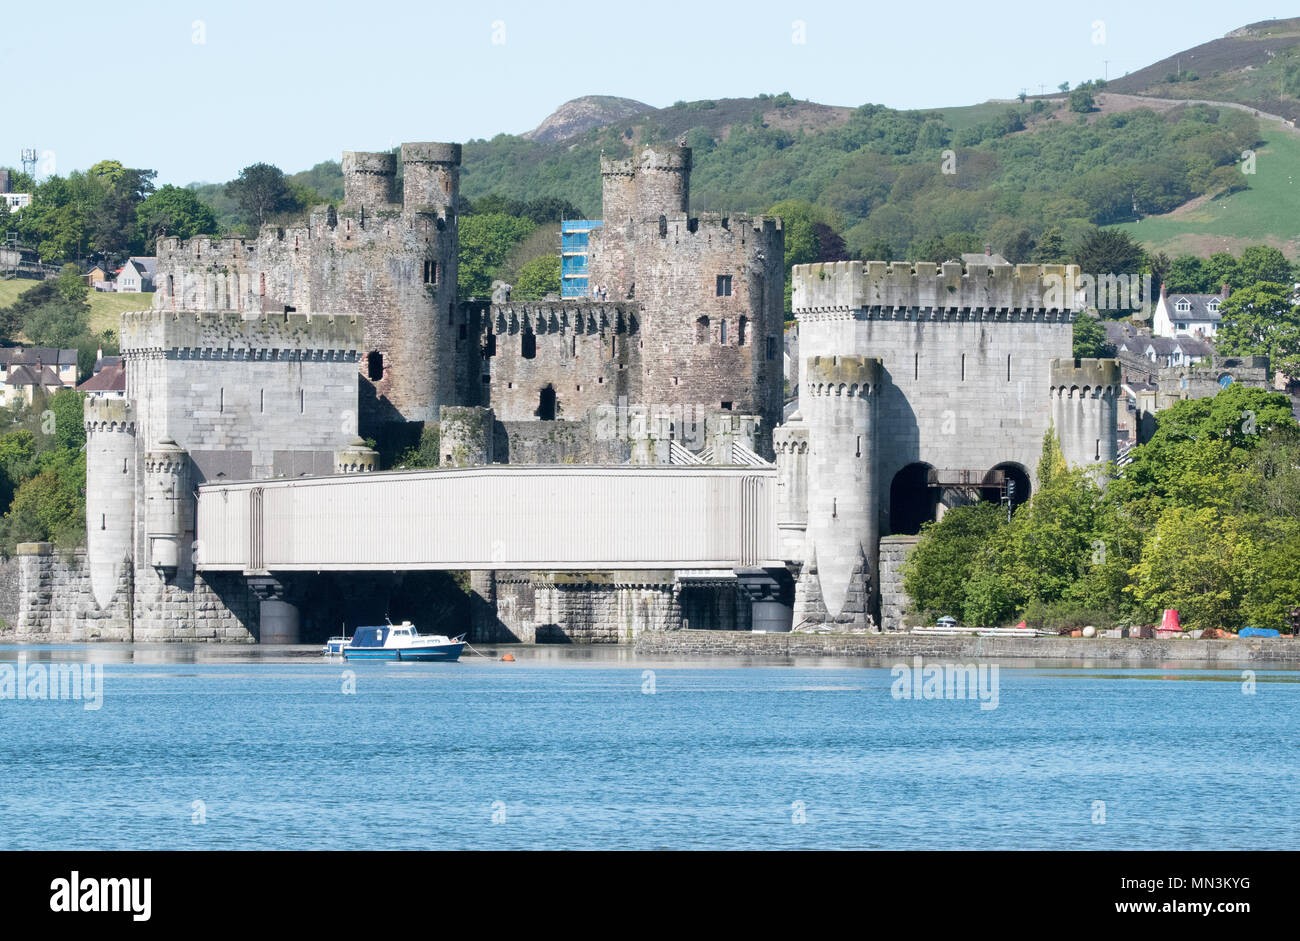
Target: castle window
column 546, row 405
column 263, row 284
column 261, row 401
column 727, row 406
column 722, row 333
column 430, row 272
column 702, row 330
column 491, row 344
column 374, row 366
column 1008, row 367
column 963, row 367
column 916, row 365
column 528, row 345
column 221, row 400
column 771, row 348
column 740, row 330
column 724, row 285
column 302, row 401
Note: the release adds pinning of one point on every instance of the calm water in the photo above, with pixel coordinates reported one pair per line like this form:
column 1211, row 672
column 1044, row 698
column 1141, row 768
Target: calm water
column 565, row 750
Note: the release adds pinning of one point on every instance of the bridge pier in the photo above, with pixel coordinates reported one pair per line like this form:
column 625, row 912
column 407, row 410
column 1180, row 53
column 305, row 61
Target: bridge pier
column 771, row 597
column 279, row 620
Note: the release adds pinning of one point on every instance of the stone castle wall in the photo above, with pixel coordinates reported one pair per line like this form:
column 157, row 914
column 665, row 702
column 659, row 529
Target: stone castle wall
column 894, row 601
column 394, row 265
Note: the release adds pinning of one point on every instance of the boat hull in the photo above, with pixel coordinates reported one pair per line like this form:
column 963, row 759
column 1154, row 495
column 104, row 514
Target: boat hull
column 417, row 654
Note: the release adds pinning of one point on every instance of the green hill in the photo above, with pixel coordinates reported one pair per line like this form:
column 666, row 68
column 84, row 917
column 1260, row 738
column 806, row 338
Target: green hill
column 1257, row 65
column 1264, row 214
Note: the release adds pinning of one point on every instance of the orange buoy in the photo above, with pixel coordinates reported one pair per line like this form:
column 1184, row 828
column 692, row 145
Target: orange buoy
column 508, row 658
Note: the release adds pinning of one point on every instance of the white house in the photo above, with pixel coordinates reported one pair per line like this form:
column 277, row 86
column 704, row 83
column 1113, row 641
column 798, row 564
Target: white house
column 137, row 275
column 1188, row 315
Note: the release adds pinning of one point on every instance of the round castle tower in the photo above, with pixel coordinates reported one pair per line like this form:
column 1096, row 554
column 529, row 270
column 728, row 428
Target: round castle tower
column 110, row 492
column 169, row 504
column 1084, row 395
column 368, row 179
column 430, row 177
column 655, row 182
column 842, row 524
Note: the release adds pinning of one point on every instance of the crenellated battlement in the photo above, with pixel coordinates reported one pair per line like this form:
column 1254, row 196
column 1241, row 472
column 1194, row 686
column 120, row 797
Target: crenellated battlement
column 230, row 335
column 570, row 316
column 904, row 290
column 841, row 375
column 1084, row 378
column 105, row 415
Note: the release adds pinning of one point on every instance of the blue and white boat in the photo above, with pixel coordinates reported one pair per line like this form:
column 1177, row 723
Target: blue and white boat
column 334, row 646
column 401, row 642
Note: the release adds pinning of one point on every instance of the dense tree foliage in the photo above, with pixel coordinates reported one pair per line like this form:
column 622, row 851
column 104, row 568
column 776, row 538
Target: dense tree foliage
column 43, row 472
column 1206, row 519
column 538, row 278
column 1261, row 320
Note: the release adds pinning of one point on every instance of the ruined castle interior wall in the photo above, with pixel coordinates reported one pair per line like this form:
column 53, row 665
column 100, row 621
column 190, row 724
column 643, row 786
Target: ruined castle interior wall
column 558, row 360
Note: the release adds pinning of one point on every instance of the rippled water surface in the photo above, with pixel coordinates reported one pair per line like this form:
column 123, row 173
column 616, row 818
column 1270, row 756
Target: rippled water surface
column 574, row 748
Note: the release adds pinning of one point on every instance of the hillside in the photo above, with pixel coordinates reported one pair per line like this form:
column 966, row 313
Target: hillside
column 105, row 308
column 583, row 114
column 1257, row 65
column 1264, row 214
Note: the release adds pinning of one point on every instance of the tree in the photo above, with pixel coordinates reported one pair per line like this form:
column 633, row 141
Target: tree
column 1186, row 276
column 1263, row 263
column 1081, row 100
column 1261, row 320
column 113, row 217
column 1109, row 252
column 485, row 243
column 1221, row 268
column 1090, row 339
column 1051, row 247
column 52, row 314
column 260, row 190
column 538, row 278
column 172, row 211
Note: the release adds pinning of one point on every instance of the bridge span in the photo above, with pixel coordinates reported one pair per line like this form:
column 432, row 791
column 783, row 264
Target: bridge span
column 549, row 517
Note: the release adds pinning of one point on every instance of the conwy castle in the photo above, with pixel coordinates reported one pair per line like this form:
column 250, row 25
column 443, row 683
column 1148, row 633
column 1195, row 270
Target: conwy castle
column 919, row 386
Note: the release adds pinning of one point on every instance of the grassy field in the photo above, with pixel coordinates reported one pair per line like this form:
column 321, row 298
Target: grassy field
column 1266, row 214
column 105, row 309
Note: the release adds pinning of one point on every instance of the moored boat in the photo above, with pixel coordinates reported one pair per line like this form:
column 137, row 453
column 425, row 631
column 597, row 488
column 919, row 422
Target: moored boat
column 401, row 642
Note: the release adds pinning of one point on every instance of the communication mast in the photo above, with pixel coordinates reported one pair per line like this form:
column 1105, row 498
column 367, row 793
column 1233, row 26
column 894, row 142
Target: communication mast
column 29, row 161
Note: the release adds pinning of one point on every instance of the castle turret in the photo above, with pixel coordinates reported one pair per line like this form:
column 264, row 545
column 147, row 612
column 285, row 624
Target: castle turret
column 838, row 397
column 368, row 179
column 790, row 442
column 1084, row 395
column 430, row 177
column 169, row 505
column 110, row 492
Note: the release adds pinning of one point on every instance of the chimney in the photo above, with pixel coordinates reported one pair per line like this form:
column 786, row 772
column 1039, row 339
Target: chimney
column 988, row 249
column 1224, row 292
column 1162, row 290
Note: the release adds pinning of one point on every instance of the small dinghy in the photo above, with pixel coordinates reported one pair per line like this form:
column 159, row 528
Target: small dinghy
column 401, row 642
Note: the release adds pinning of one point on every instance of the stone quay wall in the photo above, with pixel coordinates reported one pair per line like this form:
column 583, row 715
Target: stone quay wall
column 1120, row 651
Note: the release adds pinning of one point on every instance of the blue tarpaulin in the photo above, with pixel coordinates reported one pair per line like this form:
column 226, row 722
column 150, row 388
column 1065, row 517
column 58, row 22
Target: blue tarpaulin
column 1257, row 632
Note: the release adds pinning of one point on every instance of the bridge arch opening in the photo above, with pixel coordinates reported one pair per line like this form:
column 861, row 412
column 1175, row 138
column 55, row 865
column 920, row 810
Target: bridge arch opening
column 1014, row 483
column 912, row 501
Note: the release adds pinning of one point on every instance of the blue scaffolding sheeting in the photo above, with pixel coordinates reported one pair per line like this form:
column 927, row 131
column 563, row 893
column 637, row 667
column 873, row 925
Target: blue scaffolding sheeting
column 574, row 236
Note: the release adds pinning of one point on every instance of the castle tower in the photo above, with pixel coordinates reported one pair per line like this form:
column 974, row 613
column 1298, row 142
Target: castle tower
column 790, row 442
column 110, row 492
column 1084, row 395
column 368, row 179
column 663, row 181
column 169, row 507
column 430, row 177
column 838, row 399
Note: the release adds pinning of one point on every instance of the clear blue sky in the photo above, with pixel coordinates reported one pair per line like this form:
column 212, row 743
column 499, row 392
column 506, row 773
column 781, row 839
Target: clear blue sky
column 296, row 83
